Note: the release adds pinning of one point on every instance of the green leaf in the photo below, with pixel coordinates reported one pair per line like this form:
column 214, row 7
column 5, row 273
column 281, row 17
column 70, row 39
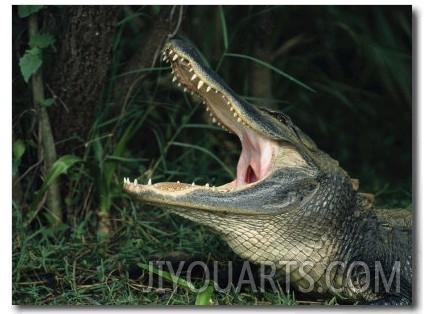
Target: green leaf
column 18, row 149
column 27, row 10
column 224, row 28
column 41, row 41
column 30, row 62
column 47, row 102
column 59, row 167
column 204, row 297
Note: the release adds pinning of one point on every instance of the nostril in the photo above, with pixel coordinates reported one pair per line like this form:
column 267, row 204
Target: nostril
column 250, row 175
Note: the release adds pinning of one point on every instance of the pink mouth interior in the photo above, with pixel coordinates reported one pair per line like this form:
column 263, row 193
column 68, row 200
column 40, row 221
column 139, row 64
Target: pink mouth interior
column 255, row 159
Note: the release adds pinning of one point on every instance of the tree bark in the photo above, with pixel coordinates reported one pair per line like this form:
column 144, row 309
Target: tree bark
column 79, row 74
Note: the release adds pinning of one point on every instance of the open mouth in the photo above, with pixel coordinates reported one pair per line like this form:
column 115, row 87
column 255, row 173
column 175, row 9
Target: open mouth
column 226, row 111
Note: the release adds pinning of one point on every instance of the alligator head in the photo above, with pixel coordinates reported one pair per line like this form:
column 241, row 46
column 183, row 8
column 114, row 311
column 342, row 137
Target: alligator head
column 289, row 200
column 279, row 165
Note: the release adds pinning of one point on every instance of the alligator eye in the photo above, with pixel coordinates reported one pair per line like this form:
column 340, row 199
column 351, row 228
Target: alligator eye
column 281, row 117
column 284, row 119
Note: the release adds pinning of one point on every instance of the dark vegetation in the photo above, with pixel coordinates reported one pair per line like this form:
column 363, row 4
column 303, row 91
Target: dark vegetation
column 102, row 107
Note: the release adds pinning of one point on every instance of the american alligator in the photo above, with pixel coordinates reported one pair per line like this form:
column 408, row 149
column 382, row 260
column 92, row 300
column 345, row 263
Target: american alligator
column 291, row 204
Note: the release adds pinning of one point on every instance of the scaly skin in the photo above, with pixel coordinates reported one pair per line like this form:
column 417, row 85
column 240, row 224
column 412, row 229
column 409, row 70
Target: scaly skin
column 291, row 205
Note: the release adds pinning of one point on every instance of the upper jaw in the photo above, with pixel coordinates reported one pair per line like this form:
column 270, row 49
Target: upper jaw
column 226, row 108
column 223, row 105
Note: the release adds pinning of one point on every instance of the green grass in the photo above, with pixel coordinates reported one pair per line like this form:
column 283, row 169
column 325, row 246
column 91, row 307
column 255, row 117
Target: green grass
column 73, row 268
column 357, row 61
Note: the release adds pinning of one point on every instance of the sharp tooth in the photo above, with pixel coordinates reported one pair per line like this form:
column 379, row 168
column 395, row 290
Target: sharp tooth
column 124, row 179
column 214, row 120
column 216, row 91
column 175, row 57
column 191, row 70
column 235, row 114
column 178, row 182
column 231, row 109
column 193, row 184
column 135, row 182
column 194, row 77
column 219, row 124
column 223, row 96
column 174, row 79
column 149, row 181
column 228, row 102
column 164, row 53
column 207, row 185
column 179, row 84
column 182, row 59
column 207, row 109
column 173, row 71
column 239, row 119
column 185, row 89
column 208, row 88
column 211, row 115
column 164, row 58
column 170, row 52
column 192, row 93
column 200, row 84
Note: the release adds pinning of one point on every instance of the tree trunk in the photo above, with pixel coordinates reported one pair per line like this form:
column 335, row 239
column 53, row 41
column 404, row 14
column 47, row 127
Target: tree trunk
column 79, row 74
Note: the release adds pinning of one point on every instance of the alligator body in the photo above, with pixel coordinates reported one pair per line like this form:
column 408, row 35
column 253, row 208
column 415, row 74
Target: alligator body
column 291, row 205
